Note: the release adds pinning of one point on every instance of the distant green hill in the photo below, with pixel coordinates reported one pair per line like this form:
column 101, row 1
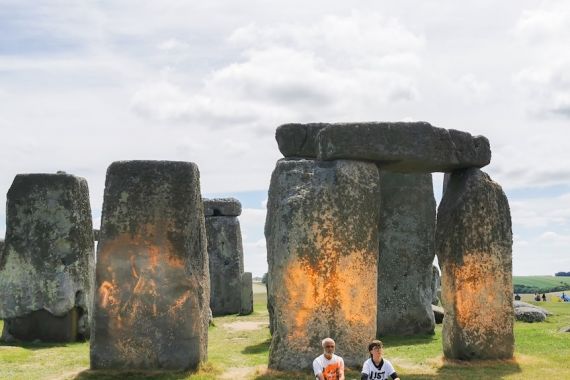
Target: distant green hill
column 540, row 284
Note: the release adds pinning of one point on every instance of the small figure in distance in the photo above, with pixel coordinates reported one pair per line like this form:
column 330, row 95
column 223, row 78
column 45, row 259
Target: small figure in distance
column 543, row 297
column 328, row 366
column 377, row 368
column 536, row 297
column 517, row 297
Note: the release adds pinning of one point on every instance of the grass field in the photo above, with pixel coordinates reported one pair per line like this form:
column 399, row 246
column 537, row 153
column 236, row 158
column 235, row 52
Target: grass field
column 238, row 349
column 541, row 281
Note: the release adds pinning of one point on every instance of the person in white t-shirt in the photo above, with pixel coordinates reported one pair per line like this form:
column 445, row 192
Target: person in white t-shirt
column 377, row 368
column 328, row 366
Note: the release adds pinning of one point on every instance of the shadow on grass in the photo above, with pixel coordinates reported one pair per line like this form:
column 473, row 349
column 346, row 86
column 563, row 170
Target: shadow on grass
column 301, row 375
column 115, row 375
column 477, row 369
column 37, row 346
column 396, row 341
column 257, row 348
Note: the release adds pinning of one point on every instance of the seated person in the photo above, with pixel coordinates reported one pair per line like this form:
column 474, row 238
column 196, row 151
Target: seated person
column 377, row 368
column 328, row 366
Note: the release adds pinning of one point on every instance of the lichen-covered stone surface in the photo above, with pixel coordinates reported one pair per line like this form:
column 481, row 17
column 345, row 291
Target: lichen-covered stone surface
column 474, row 248
column 405, row 264
column 529, row 314
column 404, row 147
column 246, row 294
column 322, row 247
column 152, row 283
column 298, row 140
column 222, row 207
column 435, row 286
column 47, row 260
column 225, row 252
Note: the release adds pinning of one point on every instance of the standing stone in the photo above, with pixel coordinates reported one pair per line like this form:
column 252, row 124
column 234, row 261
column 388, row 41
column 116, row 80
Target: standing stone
column 225, row 253
column 246, row 294
column 322, row 248
column 1, row 251
column 435, row 286
column 474, row 248
column 407, row 232
column 47, row 261
column 152, row 281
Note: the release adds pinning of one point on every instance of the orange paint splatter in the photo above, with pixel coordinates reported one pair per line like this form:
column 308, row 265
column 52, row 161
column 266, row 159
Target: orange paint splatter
column 331, row 288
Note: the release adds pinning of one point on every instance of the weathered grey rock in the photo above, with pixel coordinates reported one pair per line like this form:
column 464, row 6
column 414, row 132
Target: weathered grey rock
column 438, row 313
column 246, row 294
column 225, row 253
column 565, row 329
column 270, row 303
column 435, row 286
column 529, row 314
column 322, row 247
column 47, row 261
column 405, row 265
column 404, row 147
column 474, row 248
column 298, row 140
column 43, row 326
column 517, row 304
column 152, row 291
column 222, row 207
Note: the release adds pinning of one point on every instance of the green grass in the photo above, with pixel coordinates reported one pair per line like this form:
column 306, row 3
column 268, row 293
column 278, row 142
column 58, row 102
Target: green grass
column 541, row 284
column 541, row 352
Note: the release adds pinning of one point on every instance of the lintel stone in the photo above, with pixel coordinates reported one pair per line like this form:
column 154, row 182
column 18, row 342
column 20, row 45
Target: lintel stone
column 403, row 146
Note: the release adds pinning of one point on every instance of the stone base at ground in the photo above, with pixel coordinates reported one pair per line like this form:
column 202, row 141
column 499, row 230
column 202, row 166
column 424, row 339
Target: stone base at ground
column 42, row 325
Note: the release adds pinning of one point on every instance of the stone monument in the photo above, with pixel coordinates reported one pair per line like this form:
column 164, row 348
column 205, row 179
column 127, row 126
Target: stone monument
column 47, row 261
column 152, row 281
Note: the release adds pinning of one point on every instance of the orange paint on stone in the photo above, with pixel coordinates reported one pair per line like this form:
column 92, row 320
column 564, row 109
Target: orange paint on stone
column 133, row 293
column 476, row 287
column 334, row 287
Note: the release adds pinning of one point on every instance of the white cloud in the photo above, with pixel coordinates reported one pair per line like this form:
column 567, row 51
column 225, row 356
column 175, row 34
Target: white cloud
column 544, row 33
column 331, row 69
column 541, row 212
column 555, row 238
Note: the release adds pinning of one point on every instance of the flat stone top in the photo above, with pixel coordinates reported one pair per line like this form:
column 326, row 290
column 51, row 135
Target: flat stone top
column 138, row 166
column 395, row 146
column 26, row 181
column 222, row 207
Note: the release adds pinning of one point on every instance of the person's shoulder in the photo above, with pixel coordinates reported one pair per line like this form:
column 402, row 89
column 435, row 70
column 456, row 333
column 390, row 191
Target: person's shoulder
column 318, row 358
column 338, row 358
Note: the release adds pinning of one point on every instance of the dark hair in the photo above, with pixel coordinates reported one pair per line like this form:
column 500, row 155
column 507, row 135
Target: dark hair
column 375, row 343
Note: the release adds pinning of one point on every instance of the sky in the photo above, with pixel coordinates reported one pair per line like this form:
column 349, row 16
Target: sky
column 83, row 84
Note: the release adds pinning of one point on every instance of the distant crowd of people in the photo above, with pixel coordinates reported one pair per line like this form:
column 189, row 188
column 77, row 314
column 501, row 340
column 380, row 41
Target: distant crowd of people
column 538, row 297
